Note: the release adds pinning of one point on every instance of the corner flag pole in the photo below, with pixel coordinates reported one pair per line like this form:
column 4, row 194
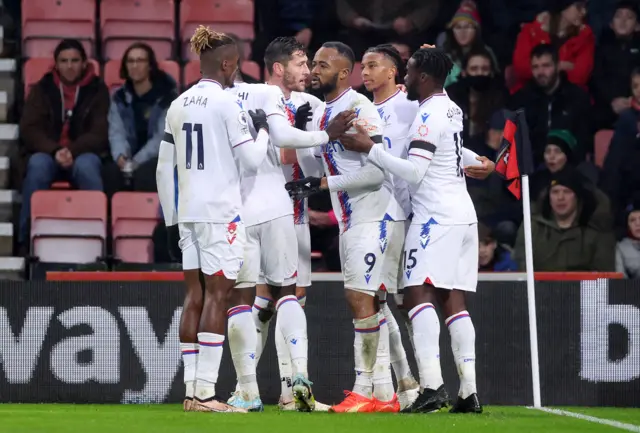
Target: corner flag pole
column 531, row 293
column 515, row 163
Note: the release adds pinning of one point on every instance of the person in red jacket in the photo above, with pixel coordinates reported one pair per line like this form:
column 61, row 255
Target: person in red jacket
column 564, row 27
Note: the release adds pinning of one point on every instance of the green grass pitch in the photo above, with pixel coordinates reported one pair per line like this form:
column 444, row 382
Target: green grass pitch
column 54, row 418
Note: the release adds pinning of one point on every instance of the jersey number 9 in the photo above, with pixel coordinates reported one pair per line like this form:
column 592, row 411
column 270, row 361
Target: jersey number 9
column 190, row 129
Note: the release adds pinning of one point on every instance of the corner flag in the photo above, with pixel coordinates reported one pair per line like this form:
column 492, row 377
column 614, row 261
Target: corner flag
column 515, row 158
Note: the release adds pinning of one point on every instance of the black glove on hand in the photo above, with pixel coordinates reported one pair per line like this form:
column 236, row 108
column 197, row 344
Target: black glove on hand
column 303, row 115
column 299, row 189
column 259, row 118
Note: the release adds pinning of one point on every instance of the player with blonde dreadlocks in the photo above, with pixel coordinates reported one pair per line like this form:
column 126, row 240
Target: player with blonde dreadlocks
column 206, row 146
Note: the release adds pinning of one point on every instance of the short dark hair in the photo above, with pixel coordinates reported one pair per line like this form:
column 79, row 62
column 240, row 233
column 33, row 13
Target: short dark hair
column 393, row 54
column 70, row 44
column 627, row 4
column 545, row 50
column 344, row 50
column 280, row 50
column 433, row 62
column 151, row 56
column 478, row 52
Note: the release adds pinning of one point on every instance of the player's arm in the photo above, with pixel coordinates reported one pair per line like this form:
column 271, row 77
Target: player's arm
column 166, row 178
column 249, row 152
column 310, row 162
column 369, row 177
column 412, row 169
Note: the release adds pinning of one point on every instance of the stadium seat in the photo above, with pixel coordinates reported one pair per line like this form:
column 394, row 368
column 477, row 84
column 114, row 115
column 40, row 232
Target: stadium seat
column 251, row 68
column 123, row 22
column 112, row 72
column 227, row 16
column 191, row 72
column 35, row 68
column 61, row 185
column 355, row 80
column 68, row 226
column 46, row 22
column 602, row 140
column 134, row 216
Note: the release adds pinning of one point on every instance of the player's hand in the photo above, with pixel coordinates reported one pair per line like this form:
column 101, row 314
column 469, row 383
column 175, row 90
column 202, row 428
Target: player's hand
column 401, row 87
column 426, row 46
column 259, row 119
column 299, row 189
column 358, row 142
column 303, row 115
column 480, row 171
column 340, row 124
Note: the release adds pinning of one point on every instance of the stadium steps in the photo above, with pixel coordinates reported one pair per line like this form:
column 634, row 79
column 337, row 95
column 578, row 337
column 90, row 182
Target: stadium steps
column 11, row 268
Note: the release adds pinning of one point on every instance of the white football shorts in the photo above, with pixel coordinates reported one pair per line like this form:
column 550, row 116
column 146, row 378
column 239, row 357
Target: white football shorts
column 214, row 248
column 272, row 248
column 303, row 277
column 445, row 256
column 370, row 254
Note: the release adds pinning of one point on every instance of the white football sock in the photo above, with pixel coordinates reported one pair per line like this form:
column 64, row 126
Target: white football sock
column 190, row 360
column 284, row 365
column 463, row 344
column 243, row 338
column 259, row 304
column 365, row 345
column 293, row 325
column 426, row 337
column 398, row 355
column 208, row 366
column 405, row 317
column 382, row 381
column 302, row 301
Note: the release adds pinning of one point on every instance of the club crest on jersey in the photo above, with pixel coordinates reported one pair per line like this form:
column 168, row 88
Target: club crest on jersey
column 425, row 233
column 425, row 116
column 423, row 130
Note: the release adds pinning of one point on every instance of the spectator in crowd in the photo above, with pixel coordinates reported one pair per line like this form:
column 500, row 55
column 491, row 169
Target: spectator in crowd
column 463, row 35
column 563, row 27
column 136, row 121
column 376, row 22
column 564, row 237
column 627, row 127
column 404, row 50
column 617, row 56
column 492, row 257
column 628, row 249
column 479, row 92
column 64, row 129
column 552, row 102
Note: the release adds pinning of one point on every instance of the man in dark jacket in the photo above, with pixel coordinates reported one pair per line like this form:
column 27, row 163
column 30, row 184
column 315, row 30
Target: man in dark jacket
column 64, row 128
column 552, row 102
column 137, row 120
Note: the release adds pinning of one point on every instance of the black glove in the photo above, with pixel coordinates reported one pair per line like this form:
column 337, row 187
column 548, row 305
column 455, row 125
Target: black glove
column 299, row 189
column 303, row 115
column 259, row 118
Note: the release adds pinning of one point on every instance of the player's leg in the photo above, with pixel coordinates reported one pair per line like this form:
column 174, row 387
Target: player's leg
column 191, row 310
column 428, row 260
column 384, row 396
column 241, row 328
column 361, row 260
column 459, row 323
column 280, row 264
column 262, row 312
column 221, row 257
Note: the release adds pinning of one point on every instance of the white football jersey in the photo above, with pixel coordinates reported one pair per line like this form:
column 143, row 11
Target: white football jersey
column 263, row 194
column 205, row 123
column 353, row 207
column 442, row 194
column 293, row 171
column 398, row 114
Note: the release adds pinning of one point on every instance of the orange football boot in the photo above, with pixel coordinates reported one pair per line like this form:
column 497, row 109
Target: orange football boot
column 392, row 405
column 354, row 403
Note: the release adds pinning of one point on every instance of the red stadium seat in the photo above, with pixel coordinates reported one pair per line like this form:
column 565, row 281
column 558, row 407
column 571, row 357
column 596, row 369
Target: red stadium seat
column 355, row 80
column 46, row 22
column 123, row 22
column 61, row 185
column 602, row 140
column 112, row 72
column 134, row 216
column 68, row 226
column 227, row 16
column 251, row 68
column 191, row 72
column 35, row 68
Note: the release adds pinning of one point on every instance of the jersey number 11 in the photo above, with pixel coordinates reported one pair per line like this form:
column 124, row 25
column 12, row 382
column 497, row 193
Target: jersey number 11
column 189, row 129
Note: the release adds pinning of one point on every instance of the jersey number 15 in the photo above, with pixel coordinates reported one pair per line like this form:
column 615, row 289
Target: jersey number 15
column 190, row 129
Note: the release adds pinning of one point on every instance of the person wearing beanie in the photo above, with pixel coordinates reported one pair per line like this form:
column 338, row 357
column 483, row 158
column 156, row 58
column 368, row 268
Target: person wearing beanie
column 558, row 153
column 492, row 257
column 463, row 35
column 563, row 26
column 565, row 239
column 628, row 249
